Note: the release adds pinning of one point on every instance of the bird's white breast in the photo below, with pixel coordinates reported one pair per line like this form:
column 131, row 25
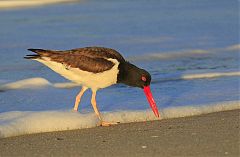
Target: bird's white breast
column 89, row 79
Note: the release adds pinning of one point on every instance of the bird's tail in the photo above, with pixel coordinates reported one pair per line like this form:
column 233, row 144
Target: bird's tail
column 39, row 53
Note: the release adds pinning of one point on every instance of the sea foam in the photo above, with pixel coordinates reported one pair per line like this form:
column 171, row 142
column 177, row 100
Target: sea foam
column 184, row 53
column 33, row 83
column 30, row 3
column 17, row 123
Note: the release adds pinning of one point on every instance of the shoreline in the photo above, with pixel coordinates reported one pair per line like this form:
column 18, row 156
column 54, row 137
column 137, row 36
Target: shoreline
column 15, row 123
column 15, row 4
column 213, row 134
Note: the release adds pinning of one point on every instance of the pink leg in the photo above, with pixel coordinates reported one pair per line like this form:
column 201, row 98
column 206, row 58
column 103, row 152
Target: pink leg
column 78, row 97
column 94, row 105
column 95, row 108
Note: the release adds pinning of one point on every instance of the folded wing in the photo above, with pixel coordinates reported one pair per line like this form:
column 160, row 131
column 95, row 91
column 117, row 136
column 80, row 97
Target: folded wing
column 91, row 59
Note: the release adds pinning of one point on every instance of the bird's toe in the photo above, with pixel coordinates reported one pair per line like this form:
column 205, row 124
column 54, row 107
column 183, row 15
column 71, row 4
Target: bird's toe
column 103, row 123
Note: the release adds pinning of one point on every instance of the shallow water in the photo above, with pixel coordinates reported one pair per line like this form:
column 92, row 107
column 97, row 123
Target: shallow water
column 170, row 39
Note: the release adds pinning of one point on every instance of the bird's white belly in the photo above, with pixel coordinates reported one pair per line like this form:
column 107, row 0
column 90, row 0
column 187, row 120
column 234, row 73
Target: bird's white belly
column 89, row 79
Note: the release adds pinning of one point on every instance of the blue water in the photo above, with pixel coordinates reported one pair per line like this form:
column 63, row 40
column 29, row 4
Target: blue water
column 138, row 29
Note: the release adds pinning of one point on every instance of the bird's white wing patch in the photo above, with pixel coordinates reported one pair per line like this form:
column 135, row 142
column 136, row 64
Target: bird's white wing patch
column 89, row 79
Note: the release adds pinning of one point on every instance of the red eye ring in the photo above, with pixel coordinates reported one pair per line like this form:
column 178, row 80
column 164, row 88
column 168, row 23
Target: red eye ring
column 144, row 78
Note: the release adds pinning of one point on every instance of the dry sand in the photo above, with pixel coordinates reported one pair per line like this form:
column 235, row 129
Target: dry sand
column 7, row 4
column 215, row 134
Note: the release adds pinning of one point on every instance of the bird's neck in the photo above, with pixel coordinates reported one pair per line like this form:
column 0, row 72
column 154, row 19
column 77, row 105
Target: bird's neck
column 126, row 72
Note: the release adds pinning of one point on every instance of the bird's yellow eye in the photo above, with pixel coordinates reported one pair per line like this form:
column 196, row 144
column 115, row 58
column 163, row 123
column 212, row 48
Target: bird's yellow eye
column 144, row 78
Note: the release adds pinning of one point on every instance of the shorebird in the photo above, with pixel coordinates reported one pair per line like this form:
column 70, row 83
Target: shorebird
column 95, row 68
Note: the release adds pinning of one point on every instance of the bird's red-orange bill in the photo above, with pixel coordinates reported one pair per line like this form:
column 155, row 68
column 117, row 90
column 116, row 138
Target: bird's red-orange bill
column 150, row 99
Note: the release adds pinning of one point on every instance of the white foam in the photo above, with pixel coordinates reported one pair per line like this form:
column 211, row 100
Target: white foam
column 65, row 85
column 170, row 55
column 193, row 76
column 37, row 82
column 26, row 83
column 184, row 53
column 28, row 3
column 234, row 48
column 28, row 122
column 209, row 75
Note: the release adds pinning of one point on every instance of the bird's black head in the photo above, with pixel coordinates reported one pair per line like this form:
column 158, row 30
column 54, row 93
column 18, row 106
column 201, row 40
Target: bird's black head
column 133, row 76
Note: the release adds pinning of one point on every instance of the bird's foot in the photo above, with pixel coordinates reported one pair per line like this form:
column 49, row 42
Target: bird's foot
column 75, row 110
column 108, row 123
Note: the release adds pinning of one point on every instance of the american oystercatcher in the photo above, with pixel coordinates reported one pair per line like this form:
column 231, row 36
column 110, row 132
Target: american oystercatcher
column 95, row 68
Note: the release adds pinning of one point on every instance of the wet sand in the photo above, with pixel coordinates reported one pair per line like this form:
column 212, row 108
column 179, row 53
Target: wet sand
column 215, row 134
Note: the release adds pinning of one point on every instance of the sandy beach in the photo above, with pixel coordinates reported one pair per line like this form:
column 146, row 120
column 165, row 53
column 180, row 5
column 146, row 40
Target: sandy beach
column 214, row 134
column 7, row 4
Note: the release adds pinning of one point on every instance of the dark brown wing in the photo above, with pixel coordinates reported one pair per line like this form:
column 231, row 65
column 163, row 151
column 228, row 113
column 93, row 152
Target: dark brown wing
column 97, row 52
column 91, row 59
